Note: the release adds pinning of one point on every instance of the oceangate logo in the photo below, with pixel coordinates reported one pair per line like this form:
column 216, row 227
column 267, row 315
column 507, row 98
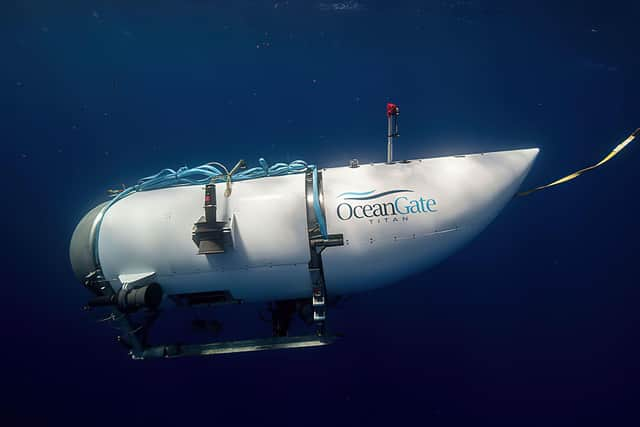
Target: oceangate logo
column 360, row 206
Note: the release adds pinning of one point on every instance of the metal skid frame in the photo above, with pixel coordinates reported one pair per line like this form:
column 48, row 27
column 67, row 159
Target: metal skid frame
column 134, row 338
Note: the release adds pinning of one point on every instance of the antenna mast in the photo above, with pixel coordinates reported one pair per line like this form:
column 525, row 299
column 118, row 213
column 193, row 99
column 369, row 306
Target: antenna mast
column 393, row 111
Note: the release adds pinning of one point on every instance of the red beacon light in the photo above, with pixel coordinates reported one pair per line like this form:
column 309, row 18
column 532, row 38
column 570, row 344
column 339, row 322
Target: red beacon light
column 392, row 110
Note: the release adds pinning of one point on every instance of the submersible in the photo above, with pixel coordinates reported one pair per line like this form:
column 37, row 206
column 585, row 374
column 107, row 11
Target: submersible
column 292, row 234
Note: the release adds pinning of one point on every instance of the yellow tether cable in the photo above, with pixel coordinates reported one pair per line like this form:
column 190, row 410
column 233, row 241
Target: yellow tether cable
column 576, row 174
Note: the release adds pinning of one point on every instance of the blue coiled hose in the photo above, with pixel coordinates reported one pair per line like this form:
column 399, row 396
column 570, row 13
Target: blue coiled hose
column 204, row 174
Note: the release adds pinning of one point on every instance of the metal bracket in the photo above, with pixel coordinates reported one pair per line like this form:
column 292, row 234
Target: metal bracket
column 317, row 243
column 211, row 236
column 136, row 280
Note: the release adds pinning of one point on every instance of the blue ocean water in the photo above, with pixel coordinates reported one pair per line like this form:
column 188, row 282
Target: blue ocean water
column 534, row 323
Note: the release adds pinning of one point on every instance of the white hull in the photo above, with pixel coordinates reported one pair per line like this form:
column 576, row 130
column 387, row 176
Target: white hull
column 433, row 207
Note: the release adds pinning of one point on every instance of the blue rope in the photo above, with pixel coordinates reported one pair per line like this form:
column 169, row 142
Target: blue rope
column 204, row 174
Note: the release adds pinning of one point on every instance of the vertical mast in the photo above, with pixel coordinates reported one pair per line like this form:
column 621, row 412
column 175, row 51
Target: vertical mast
column 393, row 111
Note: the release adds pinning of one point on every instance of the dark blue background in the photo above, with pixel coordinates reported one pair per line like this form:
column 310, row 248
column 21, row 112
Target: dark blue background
column 534, row 323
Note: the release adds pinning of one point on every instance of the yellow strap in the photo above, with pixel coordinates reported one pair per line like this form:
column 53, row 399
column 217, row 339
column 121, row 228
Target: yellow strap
column 115, row 192
column 576, row 174
column 227, row 191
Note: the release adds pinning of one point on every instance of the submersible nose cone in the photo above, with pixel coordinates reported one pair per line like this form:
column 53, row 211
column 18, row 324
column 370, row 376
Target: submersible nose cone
column 81, row 248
